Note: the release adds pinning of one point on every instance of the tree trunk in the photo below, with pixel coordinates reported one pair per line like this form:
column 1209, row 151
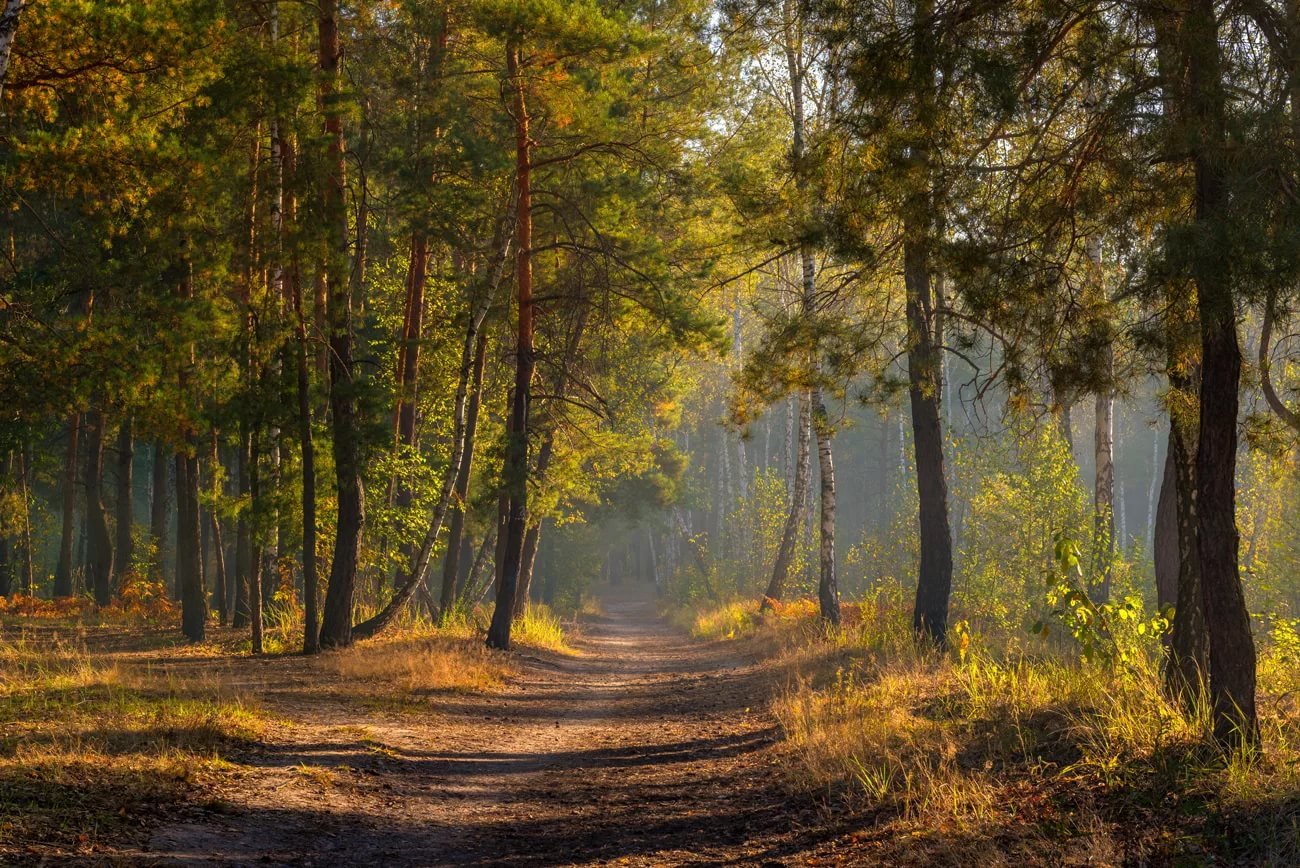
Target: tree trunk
column 256, row 561
column 189, row 575
column 408, row 362
column 452, row 562
column 516, row 461
column 29, row 572
column 99, row 544
column 1232, row 648
column 1166, row 553
column 218, row 545
column 828, row 589
column 63, row 572
column 124, row 550
column 243, row 532
column 794, row 518
column 934, row 578
column 336, row 623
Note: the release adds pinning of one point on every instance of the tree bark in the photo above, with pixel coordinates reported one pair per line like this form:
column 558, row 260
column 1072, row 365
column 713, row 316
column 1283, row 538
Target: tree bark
column 828, row 588
column 218, row 545
column 124, row 550
column 63, row 572
column 516, row 460
column 336, row 623
column 934, row 577
column 1232, row 648
column 99, row 544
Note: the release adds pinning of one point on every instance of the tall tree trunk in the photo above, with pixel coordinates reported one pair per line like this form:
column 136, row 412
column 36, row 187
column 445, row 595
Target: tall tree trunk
column 189, row 570
column 99, row 544
column 516, row 460
column 63, row 572
column 934, row 577
column 1166, row 554
column 243, row 531
column 793, row 518
column 828, row 588
column 218, row 544
column 336, row 622
column 257, row 563
column 1232, row 648
column 124, row 551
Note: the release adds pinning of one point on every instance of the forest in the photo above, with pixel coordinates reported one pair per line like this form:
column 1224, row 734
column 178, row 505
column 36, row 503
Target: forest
column 652, row 432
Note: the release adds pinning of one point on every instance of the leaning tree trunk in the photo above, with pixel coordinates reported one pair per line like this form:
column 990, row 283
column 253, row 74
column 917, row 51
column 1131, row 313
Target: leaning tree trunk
column 1232, row 648
column 793, row 518
column 124, row 550
column 516, row 460
column 456, row 528
column 99, row 544
column 336, row 622
column 63, row 572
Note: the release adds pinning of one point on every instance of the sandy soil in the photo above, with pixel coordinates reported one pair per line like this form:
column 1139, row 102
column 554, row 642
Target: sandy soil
column 646, row 749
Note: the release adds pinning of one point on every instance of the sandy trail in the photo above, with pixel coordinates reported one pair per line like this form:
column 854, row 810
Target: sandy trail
column 648, row 749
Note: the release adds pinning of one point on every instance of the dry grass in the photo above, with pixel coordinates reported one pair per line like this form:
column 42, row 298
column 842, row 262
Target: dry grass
column 91, row 749
column 422, row 665
column 1000, row 759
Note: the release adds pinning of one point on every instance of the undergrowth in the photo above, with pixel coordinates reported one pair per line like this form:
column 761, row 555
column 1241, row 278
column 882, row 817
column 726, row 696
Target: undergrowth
column 1023, row 753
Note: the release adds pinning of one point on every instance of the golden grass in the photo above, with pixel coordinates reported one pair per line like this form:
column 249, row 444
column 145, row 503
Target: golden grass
column 436, row 664
column 984, row 758
column 89, row 748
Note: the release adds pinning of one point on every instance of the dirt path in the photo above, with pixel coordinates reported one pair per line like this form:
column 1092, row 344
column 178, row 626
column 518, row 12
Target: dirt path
column 647, row 749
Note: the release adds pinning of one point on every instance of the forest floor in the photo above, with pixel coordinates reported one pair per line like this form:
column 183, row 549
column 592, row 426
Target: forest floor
column 642, row 747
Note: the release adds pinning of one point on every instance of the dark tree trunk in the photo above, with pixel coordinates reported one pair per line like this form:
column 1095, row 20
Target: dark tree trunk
column 218, row 545
column 124, row 551
column 408, row 361
column 24, row 472
column 1232, row 648
column 63, row 572
column 1166, row 553
column 99, row 544
column 516, row 460
column 159, row 509
column 934, row 578
column 194, row 607
column 243, row 532
column 1189, row 646
column 256, row 572
column 336, row 621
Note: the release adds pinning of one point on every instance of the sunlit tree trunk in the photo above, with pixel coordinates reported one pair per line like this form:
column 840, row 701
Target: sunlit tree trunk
column 794, row 518
column 451, row 567
column 516, row 462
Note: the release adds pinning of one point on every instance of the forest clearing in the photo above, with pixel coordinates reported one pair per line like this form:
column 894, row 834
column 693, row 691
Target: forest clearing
column 746, row 432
